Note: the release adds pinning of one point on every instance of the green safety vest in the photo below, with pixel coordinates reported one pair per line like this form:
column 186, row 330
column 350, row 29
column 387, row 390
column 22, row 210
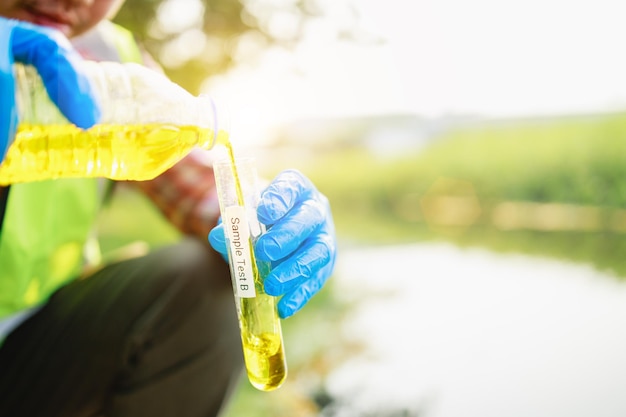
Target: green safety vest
column 47, row 224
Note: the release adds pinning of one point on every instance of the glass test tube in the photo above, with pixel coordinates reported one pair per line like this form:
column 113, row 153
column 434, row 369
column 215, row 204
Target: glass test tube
column 261, row 333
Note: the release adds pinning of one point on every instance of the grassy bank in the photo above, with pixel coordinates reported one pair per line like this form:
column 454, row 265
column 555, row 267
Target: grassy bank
column 455, row 189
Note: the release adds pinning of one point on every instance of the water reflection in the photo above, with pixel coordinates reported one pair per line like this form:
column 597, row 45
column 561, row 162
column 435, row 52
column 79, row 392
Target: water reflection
column 452, row 332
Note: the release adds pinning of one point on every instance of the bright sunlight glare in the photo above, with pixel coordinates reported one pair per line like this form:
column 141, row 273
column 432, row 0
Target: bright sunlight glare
column 440, row 57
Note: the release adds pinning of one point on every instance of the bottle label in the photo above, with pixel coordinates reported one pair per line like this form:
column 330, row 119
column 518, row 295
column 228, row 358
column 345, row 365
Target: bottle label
column 238, row 233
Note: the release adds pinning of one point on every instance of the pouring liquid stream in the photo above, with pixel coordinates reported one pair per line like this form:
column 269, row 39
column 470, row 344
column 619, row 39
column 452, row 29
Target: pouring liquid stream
column 261, row 333
column 141, row 152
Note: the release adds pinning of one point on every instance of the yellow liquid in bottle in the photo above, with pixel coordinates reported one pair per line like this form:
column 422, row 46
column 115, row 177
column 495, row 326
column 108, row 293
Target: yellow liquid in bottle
column 261, row 333
column 119, row 152
column 142, row 152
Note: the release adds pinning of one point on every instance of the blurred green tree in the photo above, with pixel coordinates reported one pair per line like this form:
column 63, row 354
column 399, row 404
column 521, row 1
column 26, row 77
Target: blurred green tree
column 194, row 39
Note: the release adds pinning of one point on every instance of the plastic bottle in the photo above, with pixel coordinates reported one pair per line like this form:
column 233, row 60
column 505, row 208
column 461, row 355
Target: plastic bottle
column 148, row 124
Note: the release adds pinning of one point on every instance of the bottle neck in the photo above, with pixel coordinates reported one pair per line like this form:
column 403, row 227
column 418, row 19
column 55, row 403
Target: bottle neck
column 213, row 116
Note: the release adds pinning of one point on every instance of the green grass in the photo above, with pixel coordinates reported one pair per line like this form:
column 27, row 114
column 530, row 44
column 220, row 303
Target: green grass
column 578, row 161
column 130, row 217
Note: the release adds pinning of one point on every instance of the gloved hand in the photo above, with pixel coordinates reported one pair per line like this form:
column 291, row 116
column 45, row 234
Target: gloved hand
column 59, row 66
column 300, row 240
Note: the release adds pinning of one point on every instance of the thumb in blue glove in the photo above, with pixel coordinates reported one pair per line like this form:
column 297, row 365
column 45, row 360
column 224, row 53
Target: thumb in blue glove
column 59, row 66
column 300, row 241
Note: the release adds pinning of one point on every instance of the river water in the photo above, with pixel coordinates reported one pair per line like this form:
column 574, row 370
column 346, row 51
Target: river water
column 453, row 332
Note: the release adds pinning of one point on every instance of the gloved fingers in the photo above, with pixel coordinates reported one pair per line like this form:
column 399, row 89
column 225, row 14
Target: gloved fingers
column 299, row 242
column 8, row 113
column 291, row 231
column 217, row 239
column 61, row 70
column 287, row 190
column 294, row 300
column 301, row 267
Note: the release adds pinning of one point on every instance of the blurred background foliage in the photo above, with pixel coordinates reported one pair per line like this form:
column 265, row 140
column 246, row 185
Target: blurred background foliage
column 550, row 187
column 195, row 39
column 547, row 186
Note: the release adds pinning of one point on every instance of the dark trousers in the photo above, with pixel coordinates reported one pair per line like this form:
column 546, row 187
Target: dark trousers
column 151, row 336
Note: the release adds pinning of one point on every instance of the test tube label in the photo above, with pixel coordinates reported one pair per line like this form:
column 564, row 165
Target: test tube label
column 238, row 233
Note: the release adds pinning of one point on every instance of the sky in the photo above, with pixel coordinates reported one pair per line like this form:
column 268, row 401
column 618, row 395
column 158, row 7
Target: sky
column 497, row 58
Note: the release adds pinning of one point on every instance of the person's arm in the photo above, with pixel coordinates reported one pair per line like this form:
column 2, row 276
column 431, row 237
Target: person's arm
column 186, row 194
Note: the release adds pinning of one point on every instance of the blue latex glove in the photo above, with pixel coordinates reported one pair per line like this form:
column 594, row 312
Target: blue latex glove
column 300, row 240
column 59, row 67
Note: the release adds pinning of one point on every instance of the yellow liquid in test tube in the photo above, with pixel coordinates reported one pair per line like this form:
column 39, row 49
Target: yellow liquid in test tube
column 261, row 333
